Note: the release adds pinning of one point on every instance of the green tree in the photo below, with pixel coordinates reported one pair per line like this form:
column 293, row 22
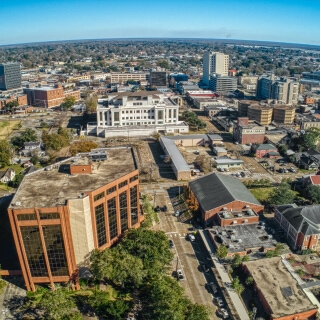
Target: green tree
column 163, row 299
column 152, row 247
column 163, row 64
column 249, row 281
column 313, row 193
column 197, row 312
column 222, row 251
column 5, row 153
column 281, row 194
column 236, row 261
column 29, row 135
column 91, row 103
column 237, row 286
column 117, row 265
column 11, row 105
column 68, row 102
column 57, row 304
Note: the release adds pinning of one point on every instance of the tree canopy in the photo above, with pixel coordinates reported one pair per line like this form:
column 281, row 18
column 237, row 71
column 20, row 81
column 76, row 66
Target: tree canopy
column 68, row 102
column 313, row 193
column 82, row 146
column 281, row 194
column 29, row 135
column 91, row 102
column 5, row 153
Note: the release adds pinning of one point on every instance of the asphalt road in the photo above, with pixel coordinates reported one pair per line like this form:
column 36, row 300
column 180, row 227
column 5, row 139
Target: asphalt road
column 187, row 255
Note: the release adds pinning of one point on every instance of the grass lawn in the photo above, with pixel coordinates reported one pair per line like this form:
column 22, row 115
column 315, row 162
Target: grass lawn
column 6, row 128
column 261, row 194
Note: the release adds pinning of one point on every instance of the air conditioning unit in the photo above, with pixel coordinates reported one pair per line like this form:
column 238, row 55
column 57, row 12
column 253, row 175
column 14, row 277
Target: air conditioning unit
column 245, row 220
column 235, row 221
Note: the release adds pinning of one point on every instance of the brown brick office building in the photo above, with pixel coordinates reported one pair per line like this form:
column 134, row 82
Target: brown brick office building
column 60, row 214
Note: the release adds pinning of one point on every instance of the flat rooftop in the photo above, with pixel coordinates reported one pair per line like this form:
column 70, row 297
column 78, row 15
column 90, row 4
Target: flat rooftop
column 54, row 185
column 242, row 237
column 280, row 289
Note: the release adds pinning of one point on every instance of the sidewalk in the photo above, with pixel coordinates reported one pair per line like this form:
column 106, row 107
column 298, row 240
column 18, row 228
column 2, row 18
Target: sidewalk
column 236, row 301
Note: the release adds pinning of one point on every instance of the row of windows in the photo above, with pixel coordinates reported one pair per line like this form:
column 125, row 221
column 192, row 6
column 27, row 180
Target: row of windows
column 33, row 216
column 112, row 215
column 114, row 188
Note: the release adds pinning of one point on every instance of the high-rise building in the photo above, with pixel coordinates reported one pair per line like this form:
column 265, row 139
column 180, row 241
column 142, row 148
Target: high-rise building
column 10, row 76
column 214, row 62
column 281, row 89
column 61, row 213
column 283, row 114
column 158, row 78
column 222, row 84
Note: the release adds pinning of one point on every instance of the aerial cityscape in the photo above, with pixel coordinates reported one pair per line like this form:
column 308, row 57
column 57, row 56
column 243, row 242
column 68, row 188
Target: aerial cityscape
column 155, row 166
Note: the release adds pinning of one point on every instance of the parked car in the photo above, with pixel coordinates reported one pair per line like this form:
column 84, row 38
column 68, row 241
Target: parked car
column 292, row 169
column 204, row 268
column 177, row 213
column 165, row 209
column 191, row 237
column 221, row 169
column 242, row 174
column 218, row 300
column 180, row 275
column 171, row 244
column 223, row 313
column 285, row 170
column 213, row 288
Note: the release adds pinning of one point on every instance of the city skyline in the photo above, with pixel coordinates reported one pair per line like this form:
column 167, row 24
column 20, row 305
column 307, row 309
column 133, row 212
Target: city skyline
column 36, row 21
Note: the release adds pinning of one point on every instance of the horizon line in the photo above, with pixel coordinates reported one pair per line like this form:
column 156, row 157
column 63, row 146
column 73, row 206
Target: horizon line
column 157, row 38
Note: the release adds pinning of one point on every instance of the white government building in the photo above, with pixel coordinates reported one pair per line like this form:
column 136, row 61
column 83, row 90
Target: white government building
column 135, row 114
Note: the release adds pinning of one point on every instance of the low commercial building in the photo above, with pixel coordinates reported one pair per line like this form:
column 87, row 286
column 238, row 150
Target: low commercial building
column 300, row 225
column 266, row 151
column 170, row 146
column 49, row 97
column 137, row 114
column 245, row 131
column 121, row 77
column 241, row 233
column 61, row 213
column 215, row 192
column 279, row 292
column 227, row 163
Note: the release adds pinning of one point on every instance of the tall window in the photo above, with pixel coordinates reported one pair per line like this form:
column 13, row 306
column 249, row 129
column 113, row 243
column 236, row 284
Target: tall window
column 34, row 251
column 116, row 116
column 123, row 211
column 112, row 214
column 134, row 205
column 100, row 225
column 55, row 250
column 160, row 114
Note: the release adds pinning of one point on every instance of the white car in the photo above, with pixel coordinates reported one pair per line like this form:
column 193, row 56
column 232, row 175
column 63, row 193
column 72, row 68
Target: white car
column 223, row 313
column 191, row 237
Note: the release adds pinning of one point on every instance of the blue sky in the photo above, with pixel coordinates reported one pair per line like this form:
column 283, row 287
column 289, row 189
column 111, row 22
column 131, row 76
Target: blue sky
column 46, row 20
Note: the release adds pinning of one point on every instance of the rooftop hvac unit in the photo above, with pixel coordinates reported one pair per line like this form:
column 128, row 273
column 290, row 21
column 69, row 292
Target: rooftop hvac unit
column 235, row 221
column 270, row 236
column 247, row 206
column 245, row 220
column 224, row 209
column 239, row 214
column 239, row 240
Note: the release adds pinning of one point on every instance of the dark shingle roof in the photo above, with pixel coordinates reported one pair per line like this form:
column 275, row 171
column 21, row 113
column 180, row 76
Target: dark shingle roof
column 303, row 219
column 215, row 190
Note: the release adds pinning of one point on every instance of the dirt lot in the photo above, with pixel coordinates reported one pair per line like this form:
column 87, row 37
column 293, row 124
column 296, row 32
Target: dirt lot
column 7, row 127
